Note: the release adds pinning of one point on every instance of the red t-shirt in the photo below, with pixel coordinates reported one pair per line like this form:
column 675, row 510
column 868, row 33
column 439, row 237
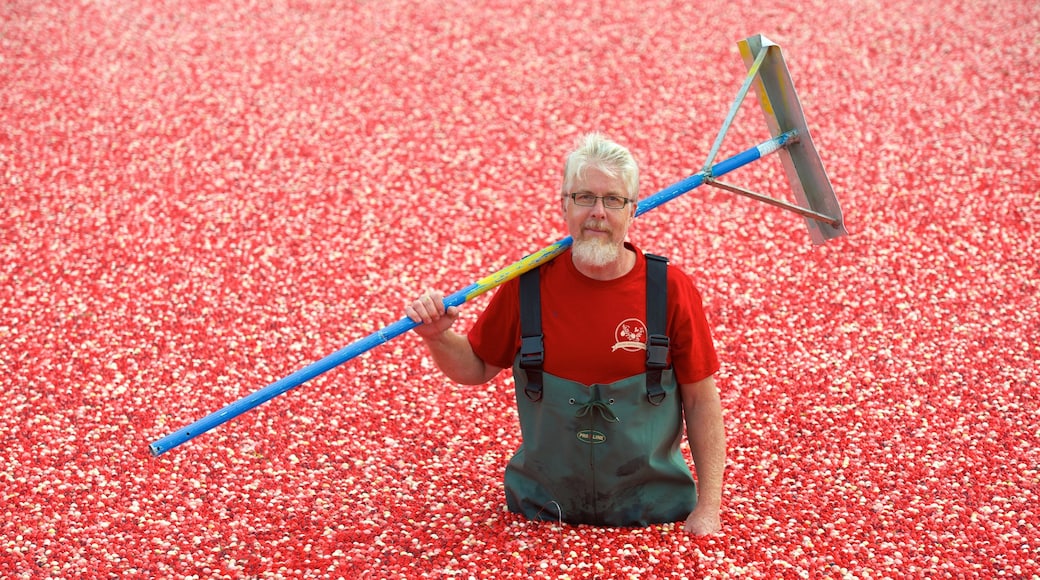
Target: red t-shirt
column 595, row 331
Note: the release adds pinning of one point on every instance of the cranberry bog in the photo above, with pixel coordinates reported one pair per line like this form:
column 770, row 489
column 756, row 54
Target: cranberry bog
column 198, row 198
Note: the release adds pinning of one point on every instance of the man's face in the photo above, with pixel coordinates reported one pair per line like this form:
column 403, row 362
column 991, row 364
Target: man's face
column 599, row 232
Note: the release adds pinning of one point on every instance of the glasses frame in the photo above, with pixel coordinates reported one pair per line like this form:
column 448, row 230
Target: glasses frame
column 600, row 198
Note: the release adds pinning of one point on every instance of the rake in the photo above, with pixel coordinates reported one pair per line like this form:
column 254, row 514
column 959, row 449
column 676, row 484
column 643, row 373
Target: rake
column 816, row 202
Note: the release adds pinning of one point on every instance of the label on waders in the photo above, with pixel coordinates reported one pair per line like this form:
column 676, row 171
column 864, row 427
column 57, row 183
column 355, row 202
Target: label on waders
column 592, row 437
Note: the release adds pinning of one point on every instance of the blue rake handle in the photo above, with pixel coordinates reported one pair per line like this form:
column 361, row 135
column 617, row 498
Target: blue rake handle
column 479, row 287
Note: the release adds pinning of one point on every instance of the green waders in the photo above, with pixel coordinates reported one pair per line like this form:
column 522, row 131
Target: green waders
column 601, row 454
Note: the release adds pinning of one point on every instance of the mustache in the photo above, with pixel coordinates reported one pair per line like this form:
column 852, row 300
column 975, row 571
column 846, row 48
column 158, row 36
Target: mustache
column 594, row 224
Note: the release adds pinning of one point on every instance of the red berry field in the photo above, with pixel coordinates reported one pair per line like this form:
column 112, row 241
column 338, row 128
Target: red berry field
column 198, row 198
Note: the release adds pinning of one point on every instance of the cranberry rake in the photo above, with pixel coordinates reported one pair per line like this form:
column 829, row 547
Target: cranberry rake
column 768, row 73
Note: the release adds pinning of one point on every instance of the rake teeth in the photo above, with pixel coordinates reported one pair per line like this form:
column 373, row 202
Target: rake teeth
column 809, row 182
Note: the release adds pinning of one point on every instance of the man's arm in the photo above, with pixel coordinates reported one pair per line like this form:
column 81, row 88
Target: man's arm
column 450, row 350
column 702, row 410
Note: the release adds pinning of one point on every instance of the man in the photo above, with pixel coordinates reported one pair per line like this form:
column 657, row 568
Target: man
column 601, row 425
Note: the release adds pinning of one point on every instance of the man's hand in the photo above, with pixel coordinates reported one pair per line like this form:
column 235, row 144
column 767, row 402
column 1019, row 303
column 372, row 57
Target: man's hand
column 703, row 521
column 451, row 351
column 429, row 311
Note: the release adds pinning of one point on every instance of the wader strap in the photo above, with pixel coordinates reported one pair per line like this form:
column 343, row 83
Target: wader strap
column 656, row 318
column 532, row 348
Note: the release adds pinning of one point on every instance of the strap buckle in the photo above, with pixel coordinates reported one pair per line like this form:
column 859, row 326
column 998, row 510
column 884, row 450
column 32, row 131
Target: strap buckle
column 657, row 351
column 532, row 352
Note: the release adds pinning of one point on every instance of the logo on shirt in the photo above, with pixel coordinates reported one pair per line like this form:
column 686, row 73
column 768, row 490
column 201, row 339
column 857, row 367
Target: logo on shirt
column 630, row 335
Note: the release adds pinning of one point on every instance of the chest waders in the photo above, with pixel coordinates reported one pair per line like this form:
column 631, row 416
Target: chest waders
column 601, row 454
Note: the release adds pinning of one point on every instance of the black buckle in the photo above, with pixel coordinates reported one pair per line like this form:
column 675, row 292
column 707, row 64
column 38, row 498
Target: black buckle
column 657, row 351
column 532, row 352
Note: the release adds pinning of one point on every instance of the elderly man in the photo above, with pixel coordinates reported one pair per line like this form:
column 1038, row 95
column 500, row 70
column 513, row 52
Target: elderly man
column 611, row 353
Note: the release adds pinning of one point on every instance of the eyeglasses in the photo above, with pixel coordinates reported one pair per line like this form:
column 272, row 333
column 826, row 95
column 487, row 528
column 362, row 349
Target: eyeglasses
column 609, row 201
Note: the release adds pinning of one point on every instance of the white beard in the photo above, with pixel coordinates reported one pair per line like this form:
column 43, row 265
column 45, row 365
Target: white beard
column 594, row 254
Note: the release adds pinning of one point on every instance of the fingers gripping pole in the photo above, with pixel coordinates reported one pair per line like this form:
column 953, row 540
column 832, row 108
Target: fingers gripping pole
column 479, row 287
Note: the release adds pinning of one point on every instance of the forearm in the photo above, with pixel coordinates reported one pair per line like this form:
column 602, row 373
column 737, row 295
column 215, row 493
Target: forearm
column 708, row 448
column 455, row 357
column 706, row 434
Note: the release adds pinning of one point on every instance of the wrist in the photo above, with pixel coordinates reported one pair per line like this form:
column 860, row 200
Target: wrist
column 707, row 504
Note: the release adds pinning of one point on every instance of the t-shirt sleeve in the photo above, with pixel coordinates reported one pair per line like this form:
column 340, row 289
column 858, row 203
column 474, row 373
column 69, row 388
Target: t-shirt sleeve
column 692, row 349
column 495, row 336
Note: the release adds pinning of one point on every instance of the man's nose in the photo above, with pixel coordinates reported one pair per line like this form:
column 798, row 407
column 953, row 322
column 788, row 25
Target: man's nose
column 599, row 206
